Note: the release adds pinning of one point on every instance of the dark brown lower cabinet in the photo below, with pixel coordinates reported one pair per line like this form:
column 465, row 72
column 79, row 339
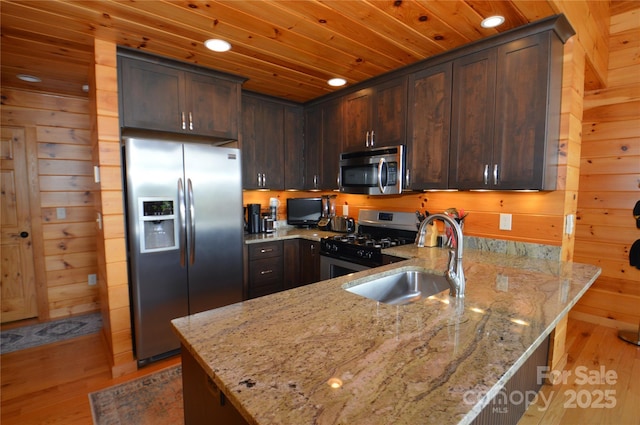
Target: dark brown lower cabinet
column 279, row 265
column 265, row 269
column 204, row 403
column 302, row 260
column 508, row 406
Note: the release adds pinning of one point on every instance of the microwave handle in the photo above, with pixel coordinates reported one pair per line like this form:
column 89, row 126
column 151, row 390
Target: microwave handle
column 380, row 165
column 407, row 180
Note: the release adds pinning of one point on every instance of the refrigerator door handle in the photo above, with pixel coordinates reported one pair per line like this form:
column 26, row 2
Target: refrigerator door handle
column 183, row 223
column 192, row 223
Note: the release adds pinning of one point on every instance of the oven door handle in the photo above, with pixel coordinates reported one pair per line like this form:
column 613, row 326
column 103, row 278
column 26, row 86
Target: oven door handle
column 380, row 167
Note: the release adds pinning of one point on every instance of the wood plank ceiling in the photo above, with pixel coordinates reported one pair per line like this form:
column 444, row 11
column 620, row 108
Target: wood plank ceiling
column 287, row 49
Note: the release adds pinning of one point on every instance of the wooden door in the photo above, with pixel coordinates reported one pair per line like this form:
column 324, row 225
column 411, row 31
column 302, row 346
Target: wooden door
column 390, row 113
column 522, row 96
column 474, row 83
column 293, row 147
column 152, row 96
column 358, row 120
column 312, row 142
column 429, row 127
column 332, row 142
column 213, row 105
column 18, row 275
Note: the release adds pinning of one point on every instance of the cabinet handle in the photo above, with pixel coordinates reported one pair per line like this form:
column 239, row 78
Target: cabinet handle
column 495, row 174
column 372, row 141
column 486, row 174
column 264, row 180
column 366, row 140
column 259, row 180
column 190, row 121
column 265, row 250
column 266, row 271
column 184, row 123
column 315, row 181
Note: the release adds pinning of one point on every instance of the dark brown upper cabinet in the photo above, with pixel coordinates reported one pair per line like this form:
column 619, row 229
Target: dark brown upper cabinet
column 272, row 143
column 429, row 127
column 506, row 115
column 323, row 144
column 164, row 95
column 376, row 116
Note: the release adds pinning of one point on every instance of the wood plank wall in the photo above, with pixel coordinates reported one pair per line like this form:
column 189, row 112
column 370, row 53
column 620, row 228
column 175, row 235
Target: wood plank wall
column 112, row 258
column 59, row 126
column 610, row 179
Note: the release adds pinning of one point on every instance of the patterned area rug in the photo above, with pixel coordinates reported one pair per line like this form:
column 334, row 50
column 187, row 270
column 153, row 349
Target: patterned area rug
column 155, row 399
column 45, row 333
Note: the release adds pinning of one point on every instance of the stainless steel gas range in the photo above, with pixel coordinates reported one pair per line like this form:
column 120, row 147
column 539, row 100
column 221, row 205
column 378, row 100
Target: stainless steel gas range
column 344, row 254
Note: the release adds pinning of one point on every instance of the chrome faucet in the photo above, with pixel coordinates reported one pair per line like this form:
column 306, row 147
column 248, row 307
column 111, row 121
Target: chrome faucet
column 455, row 273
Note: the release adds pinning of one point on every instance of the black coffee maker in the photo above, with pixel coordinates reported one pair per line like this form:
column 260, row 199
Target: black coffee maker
column 253, row 218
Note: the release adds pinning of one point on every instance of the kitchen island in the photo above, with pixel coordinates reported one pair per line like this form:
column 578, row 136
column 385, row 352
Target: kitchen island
column 318, row 354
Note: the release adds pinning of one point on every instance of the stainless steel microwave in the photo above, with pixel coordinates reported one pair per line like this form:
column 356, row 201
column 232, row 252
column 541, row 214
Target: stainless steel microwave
column 377, row 171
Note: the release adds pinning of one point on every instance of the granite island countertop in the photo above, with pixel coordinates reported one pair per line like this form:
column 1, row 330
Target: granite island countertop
column 439, row 360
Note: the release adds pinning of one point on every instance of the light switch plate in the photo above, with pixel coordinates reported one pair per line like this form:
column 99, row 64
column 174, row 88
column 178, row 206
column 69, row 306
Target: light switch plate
column 61, row 213
column 569, row 224
column 505, row 221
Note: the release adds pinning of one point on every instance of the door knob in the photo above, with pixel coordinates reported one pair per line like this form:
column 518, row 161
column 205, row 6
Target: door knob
column 24, row 234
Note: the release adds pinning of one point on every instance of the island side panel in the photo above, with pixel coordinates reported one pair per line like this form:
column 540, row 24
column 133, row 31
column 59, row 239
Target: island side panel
column 204, row 403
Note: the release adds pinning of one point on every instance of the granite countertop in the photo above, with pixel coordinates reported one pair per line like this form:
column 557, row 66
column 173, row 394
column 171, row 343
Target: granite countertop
column 287, row 232
column 440, row 358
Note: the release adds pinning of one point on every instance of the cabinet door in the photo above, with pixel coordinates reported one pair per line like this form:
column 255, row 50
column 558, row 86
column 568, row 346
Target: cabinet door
column 390, row 113
column 293, row 147
column 331, row 146
column 312, row 141
column 522, row 96
column 212, row 106
column 358, row 111
column 474, row 81
column 292, row 263
column 429, row 126
column 309, row 262
column 262, row 143
column 151, row 95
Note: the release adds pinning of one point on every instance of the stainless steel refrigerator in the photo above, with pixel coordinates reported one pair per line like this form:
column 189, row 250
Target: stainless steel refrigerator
column 184, row 235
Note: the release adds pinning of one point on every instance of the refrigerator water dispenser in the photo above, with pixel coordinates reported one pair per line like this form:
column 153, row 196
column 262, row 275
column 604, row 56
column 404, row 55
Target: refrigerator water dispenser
column 159, row 224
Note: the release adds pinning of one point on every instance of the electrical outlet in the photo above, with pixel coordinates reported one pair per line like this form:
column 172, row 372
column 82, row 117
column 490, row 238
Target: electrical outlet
column 505, row 221
column 92, row 279
column 345, row 210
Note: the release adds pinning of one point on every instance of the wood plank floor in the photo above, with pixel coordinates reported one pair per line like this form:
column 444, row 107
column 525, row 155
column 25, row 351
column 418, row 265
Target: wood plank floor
column 49, row 384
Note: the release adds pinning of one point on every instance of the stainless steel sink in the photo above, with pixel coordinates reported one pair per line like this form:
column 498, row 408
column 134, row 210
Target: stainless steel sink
column 403, row 287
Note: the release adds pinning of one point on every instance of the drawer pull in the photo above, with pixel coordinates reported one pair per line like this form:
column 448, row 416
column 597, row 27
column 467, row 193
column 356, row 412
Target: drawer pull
column 265, row 250
column 266, row 271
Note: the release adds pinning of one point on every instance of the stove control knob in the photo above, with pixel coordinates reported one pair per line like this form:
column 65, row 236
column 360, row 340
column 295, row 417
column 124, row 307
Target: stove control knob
column 334, row 248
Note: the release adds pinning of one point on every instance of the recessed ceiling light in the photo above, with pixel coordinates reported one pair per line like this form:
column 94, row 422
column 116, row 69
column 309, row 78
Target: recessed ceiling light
column 29, row 78
column 337, row 82
column 217, row 45
column 492, row 21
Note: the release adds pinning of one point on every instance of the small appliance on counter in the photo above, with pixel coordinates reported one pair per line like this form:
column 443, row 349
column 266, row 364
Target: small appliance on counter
column 328, row 212
column 343, row 224
column 254, row 220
